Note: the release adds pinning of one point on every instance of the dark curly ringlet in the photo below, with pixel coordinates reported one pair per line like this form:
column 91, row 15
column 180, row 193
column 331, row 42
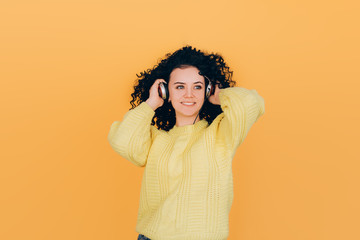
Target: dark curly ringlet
column 211, row 65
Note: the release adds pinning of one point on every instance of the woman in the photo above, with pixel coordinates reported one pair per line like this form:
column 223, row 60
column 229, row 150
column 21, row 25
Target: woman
column 186, row 122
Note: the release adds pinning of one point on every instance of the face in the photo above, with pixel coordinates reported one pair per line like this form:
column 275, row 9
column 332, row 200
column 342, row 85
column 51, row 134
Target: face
column 186, row 93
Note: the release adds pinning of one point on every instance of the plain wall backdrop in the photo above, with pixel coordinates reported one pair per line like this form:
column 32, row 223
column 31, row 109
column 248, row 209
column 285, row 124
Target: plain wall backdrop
column 67, row 69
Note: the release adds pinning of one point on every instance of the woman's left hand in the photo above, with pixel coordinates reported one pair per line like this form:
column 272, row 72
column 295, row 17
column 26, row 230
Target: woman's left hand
column 214, row 98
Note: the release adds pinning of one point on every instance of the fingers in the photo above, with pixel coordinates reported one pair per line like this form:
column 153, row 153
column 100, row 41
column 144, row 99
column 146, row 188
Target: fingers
column 157, row 81
column 154, row 99
column 218, row 84
column 155, row 85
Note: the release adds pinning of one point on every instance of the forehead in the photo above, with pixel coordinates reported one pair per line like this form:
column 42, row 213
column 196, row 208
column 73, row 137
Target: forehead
column 187, row 75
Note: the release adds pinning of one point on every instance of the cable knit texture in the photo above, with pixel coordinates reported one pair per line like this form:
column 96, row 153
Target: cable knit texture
column 187, row 185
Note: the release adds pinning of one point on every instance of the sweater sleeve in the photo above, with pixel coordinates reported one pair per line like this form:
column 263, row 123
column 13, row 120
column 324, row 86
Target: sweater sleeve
column 131, row 137
column 241, row 109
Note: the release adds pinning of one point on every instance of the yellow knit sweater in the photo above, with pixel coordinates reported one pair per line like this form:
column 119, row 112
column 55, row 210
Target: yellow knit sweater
column 187, row 186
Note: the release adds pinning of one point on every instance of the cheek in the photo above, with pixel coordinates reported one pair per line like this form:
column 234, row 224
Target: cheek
column 200, row 95
column 171, row 94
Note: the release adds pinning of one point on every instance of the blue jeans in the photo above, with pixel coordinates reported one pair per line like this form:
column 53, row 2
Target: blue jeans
column 142, row 237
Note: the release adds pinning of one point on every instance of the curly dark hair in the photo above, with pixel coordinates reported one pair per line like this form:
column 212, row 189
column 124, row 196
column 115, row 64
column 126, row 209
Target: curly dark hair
column 211, row 65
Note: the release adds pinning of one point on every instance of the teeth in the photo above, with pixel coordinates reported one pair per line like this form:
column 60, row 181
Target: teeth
column 188, row 103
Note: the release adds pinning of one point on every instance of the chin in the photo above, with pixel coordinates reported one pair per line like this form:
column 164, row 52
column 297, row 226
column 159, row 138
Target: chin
column 188, row 114
column 186, row 111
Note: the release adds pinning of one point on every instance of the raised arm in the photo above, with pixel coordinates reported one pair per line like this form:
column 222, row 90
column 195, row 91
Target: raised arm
column 241, row 109
column 131, row 138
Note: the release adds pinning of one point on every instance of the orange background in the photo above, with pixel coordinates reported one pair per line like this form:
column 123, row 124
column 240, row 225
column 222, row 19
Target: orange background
column 67, row 71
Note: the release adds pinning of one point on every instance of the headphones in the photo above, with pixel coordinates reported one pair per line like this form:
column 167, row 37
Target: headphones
column 164, row 91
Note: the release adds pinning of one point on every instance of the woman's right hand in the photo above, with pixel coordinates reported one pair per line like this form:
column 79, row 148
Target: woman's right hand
column 154, row 99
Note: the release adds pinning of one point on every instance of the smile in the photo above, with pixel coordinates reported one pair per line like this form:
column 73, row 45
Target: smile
column 188, row 104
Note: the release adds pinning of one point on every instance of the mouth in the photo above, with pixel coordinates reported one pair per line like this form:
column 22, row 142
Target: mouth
column 188, row 103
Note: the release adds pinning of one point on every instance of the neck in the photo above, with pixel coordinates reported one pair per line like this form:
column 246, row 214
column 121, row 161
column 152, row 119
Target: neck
column 187, row 121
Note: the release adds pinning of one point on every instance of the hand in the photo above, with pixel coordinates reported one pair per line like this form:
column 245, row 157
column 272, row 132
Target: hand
column 154, row 99
column 214, row 98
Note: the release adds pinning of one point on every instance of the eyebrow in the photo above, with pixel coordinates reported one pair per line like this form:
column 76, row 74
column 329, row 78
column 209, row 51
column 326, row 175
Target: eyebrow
column 184, row 83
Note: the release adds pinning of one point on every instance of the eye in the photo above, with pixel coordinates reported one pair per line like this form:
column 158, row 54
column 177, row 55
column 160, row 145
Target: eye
column 198, row 87
column 179, row 87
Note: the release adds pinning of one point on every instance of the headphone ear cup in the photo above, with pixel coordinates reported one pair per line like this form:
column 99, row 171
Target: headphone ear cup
column 209, row 90
column 212, row 91
column 166, row 92
column 163, row 91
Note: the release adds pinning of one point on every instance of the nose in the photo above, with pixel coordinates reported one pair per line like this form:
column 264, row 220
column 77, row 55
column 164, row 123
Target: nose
column 189, row 92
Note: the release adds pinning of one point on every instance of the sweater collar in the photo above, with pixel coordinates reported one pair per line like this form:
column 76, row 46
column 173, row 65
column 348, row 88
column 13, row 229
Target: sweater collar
column 193, row 128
